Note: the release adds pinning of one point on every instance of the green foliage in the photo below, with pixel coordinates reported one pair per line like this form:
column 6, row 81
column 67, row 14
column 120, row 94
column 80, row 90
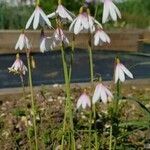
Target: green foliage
column 18, row 112
column 135, row 13
column 14, row 17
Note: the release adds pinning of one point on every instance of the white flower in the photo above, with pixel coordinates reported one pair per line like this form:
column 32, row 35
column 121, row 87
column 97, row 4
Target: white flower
column 63, row 13
column 59, row 38
column 83, row 101
column 83, row 23
column 18, row 66
column 45, row 44
column 120, row 72
column 101, row 92
column 38, row 17
column 110, row 11
column 101, row 37
column 23, row 42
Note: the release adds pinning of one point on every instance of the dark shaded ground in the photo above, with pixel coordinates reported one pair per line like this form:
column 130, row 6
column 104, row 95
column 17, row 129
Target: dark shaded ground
column 49, row 66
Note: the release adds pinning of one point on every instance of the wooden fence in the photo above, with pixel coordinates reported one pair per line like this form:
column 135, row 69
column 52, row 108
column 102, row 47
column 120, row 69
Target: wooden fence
column 121, row 40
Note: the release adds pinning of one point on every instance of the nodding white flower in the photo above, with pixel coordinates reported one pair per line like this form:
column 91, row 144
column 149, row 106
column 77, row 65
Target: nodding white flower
column 44, row 42
column 110, row 11
column 84, row 22
column 63, row 13
column 101, row 92
column 43, row 45
column 18, row 66
column 59, row 38
column 38, row 17
column 120, row 72
column 101, row 37
column 23, row 42
column 84, row 101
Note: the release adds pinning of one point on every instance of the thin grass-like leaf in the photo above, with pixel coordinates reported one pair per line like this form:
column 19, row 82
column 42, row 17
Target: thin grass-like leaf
column 146, row 110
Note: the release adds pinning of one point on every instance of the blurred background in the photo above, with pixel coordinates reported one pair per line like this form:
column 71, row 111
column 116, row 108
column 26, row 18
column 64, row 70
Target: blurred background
column 136, row 13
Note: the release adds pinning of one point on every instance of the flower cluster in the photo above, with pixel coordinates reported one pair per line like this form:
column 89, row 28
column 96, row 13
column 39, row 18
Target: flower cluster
column 102, row 92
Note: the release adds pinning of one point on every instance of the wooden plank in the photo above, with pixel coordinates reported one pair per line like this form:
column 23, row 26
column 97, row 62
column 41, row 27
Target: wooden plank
column 146, row 36
column 120, row 40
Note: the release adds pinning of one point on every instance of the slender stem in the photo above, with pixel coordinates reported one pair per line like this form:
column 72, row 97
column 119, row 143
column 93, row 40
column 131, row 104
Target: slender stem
column 37, row 2
column 23, row 90
column 68, row 106
column 96, row 10
column 72, row 55
column 115, row 113
column 92, row 79
column 32, row 100
column 22, row 84
column 110, row 142
column 90, row 128
column 117, row 97
column 91, row 60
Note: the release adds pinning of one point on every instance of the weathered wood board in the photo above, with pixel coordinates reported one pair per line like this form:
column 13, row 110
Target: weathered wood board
column 121, row 40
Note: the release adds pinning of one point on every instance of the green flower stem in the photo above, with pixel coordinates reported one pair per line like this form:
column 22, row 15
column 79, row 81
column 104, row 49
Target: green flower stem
column 68, row 106
column 92, row 80
column 96, row 10
column 90, row 129
column 118, row 96
column 115, row 113
column 72, row 56
column 24, row 97
column 37, row 2
column 22, row 84
column 110, row 141
column 32, row 100
column 91, row 60
column 118, row 89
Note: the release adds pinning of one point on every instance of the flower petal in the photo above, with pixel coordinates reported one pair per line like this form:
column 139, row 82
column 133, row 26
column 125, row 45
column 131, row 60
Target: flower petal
column 96, row 95
column 36, row 19
column 116, row 10
column 96, row 38
column 42, row 46
column 105, row 11
column 116, row 73
column 127, row 72
column 72, row 25
column 112, row 11
column 77, row 26
column 121, row 74
column 109, row 94
column 103, row 94
column 18, row 42
column 30, row 20
column 79, row 102
column 54, row 14
column 45, row 17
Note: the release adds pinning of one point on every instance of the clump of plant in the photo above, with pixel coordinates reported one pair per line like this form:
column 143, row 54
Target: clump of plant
column 90, row 128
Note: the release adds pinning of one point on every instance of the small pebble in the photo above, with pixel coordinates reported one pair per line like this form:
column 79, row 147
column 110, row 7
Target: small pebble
column 50, row 99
